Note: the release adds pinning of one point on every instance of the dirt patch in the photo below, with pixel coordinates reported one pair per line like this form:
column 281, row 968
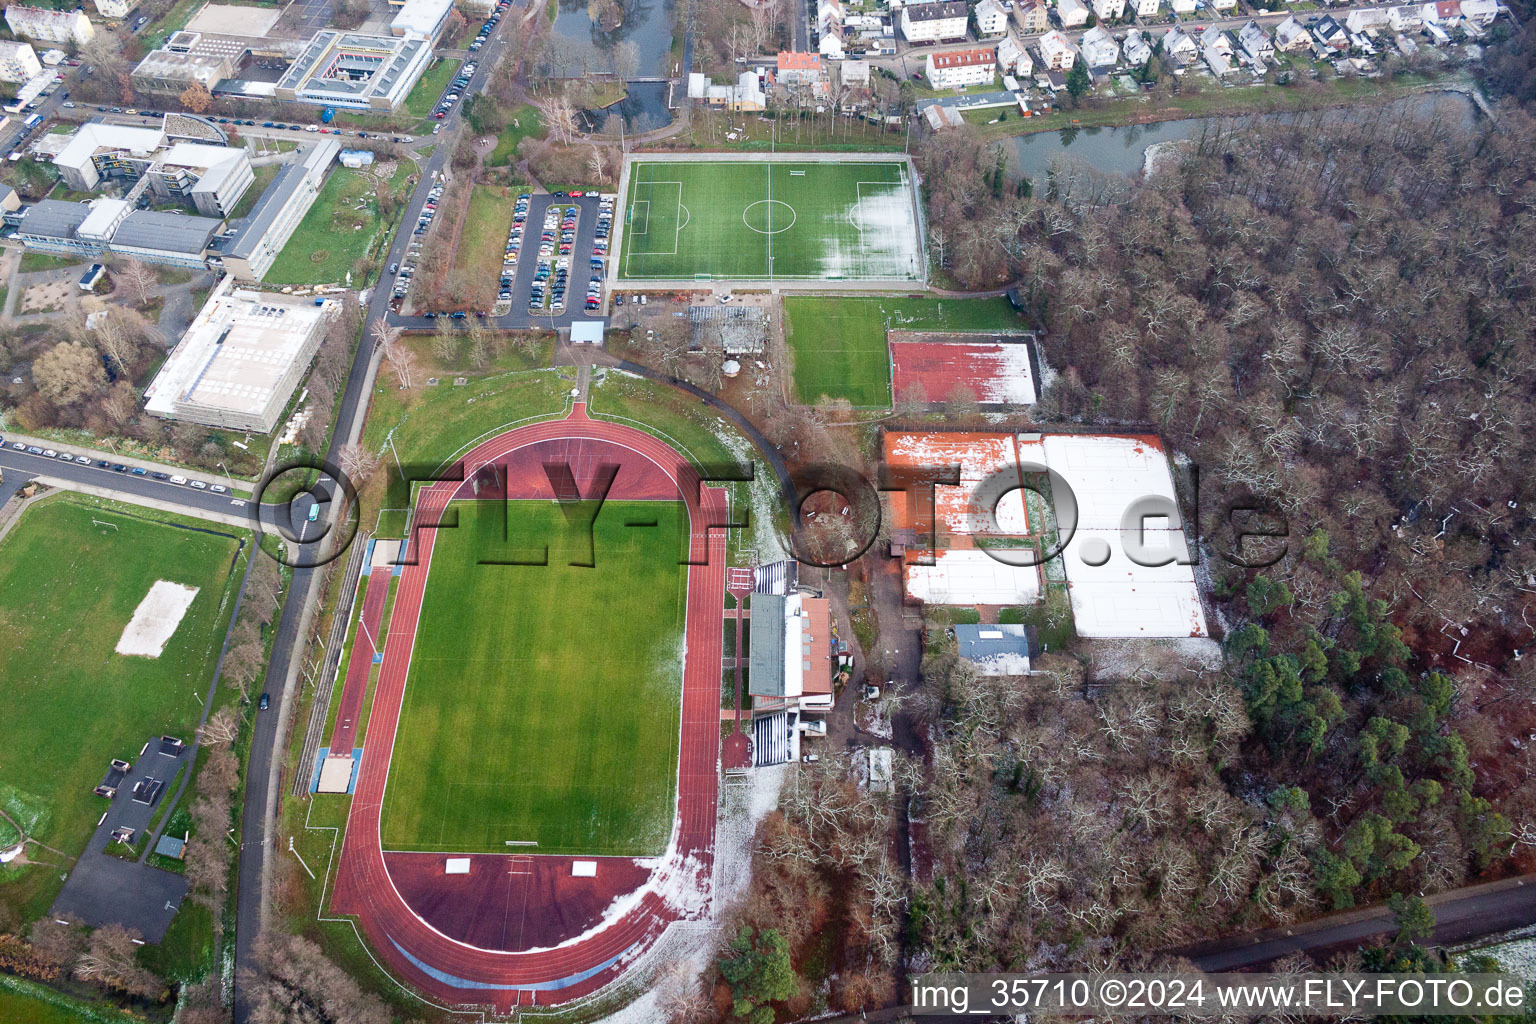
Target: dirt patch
column 45, row 297
column 155, row 620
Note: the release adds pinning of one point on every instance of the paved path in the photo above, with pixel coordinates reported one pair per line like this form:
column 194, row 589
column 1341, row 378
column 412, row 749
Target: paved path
column 1460, row 915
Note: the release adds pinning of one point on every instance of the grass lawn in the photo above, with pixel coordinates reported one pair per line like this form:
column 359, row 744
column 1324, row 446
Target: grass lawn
column 264, row 176
column 760, row 220
column 334, row 234
column 839, row 343
column 68, row 587
column 424, row 95
column 31, row 261
column 525, row 124
column 31, row 1003
column 516, row 726
column 176, row 18
column 485, row 227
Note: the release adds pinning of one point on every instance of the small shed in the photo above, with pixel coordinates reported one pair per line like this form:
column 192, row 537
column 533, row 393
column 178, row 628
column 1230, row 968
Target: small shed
column 880, row 769
column 587, row 332
column 174, row 847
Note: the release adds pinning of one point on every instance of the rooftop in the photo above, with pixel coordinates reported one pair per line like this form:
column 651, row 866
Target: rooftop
column 937, row 11
column 236, row 352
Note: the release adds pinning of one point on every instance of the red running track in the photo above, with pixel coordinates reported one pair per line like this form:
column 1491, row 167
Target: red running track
column 456, row 972
column 375, row 594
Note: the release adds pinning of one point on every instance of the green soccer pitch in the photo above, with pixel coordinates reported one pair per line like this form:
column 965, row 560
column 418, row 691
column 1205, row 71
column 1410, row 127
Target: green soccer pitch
column 750, row 220
column 544, row 701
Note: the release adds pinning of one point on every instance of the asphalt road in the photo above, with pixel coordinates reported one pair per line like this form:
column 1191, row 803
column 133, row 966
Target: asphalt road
column 1460, row 916
column 258, row 838
column 21, row 466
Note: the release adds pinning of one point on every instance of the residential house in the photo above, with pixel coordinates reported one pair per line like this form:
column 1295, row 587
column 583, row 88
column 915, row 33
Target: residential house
column 1404, row 18
column 795, row 68
column 953, row 69
column 854, row 74
column 1032, row 16
column 18, row 62
column 1440, row 12
column 991, row 19
column 1073, row 13
column 1367, row 18
column 940, row 117
column 1182, row 6
column 1179, row 48
column 932, row 22
column 115, row 8
column 1099, row 48
column 1223, row 6
column 50, row 26
column 1108, row 10
column 1136, row 49
column 1480, row 12
column 1292, row 36
column 1329, row 34
column 1013, row 59
column 1256, row 42
column 1056, row 52
column 828, row 14
column 1217, row 50
column 1147, row 8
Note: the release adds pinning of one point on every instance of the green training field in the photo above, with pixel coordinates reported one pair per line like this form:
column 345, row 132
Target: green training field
column 761, row 220
column 839, row 342
column 544, row 701
column 70, row 702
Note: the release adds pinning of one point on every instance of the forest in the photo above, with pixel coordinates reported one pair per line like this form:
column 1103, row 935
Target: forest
column 1332, row 318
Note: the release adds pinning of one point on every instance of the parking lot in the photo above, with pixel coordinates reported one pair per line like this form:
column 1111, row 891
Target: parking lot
column 517, row 277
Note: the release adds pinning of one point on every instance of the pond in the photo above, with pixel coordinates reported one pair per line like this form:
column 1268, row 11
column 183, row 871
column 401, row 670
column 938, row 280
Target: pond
column 644, row 109
column 641, row 47
column 1122, row 150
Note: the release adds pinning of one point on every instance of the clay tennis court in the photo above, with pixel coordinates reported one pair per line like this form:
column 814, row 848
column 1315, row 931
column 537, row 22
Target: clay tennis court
column 519, row 928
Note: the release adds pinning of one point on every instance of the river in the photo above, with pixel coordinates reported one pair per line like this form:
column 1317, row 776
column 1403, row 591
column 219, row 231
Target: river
column 1122, row 150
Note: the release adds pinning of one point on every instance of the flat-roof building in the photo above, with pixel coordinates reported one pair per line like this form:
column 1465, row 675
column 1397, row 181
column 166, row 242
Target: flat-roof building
column 423, row 19
column 212, row 178
column 250, row 249
column 240, row 360
column 791, row 656
column 355, row 71
column 995, row 649
column 112, row 225
column 18, row 62
column 174, row 71
column 99, row 151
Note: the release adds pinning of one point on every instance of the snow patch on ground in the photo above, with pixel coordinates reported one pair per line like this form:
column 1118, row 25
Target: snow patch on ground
column 155, row 620
column 670, row 969
column 764, row 495
column 885, row 244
